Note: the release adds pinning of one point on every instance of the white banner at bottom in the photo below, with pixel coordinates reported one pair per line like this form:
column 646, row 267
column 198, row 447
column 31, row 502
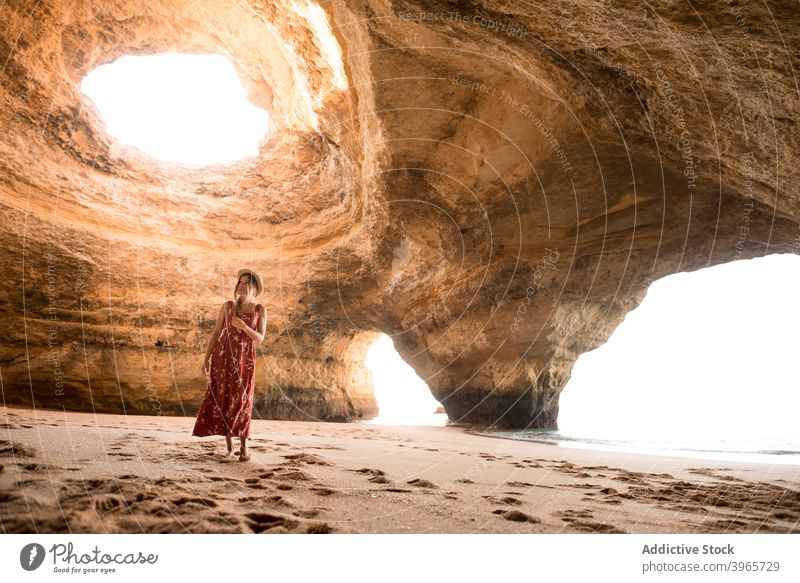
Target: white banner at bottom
column 389, row 558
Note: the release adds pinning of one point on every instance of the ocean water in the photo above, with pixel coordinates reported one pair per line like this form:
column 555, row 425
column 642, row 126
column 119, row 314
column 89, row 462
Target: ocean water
column 768, row 450
column 771, row 450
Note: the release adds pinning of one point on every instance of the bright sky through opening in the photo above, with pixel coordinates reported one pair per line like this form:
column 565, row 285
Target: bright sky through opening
column 403, row 398
column 709, row 355
column 186, row 109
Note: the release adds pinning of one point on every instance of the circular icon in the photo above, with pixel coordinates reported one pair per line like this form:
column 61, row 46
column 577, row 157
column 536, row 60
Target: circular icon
column 31, row 556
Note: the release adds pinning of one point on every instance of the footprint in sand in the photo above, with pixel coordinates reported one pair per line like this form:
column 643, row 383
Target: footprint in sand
column 264, row 522
column 572, row 515
column 420, row 483
column 509, row 500
column 13, row 449
column 321, row 491
column 291, row 474
column 526, row 464
column 517, row 484
column 378, row 476
column 516, row 516
column 308, row 513
column 571, row 469
column 631, row 477
column 194, row 500
column 726, row 525
column 255, row 483
column 582, row 486
column 611, row 496
column 581, row 520
column 278, row 500
column 108, row 502
column 308, row 458
column 371, row 471
column 321, row 528
column 598, row 527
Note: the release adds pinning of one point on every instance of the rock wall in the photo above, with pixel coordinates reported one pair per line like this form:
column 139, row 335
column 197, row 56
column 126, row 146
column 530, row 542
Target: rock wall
column 493, row 184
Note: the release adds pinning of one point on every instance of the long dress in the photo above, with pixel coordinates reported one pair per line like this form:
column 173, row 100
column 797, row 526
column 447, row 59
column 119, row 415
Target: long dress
column 227, row 405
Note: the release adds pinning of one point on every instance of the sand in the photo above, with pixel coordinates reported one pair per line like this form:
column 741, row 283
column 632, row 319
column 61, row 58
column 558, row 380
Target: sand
column 69, row 472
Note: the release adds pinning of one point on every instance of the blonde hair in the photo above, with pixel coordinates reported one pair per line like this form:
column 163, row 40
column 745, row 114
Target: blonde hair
column 252, row 287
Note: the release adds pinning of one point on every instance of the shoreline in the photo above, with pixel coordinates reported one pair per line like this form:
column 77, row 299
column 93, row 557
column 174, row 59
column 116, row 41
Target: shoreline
column 85, row 472
column 792, row 458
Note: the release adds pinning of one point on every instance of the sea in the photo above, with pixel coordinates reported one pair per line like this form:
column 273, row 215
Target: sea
column 775, row 450
column 767, row 450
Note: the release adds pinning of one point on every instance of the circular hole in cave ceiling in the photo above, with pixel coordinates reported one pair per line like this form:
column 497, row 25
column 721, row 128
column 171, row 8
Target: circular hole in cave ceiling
column 186, row 109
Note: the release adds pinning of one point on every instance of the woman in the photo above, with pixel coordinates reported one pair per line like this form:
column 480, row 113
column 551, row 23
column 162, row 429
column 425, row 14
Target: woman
column 230, row 365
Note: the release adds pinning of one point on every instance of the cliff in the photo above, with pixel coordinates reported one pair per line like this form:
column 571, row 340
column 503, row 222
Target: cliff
column 493, row 184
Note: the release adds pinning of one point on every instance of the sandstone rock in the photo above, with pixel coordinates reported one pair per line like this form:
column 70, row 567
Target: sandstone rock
column 494, row 185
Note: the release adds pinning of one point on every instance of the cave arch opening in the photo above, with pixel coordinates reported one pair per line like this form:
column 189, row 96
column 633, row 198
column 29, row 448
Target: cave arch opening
column 403, row 397
column 707, row 363
column 186, row 109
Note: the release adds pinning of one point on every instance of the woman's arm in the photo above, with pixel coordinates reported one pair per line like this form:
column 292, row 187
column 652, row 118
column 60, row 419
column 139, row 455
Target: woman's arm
column 256, row 335
column 262, row 325
column 217, row 331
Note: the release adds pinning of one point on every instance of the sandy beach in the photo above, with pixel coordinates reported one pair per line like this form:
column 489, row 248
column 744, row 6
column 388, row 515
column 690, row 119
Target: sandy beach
column 85, row 473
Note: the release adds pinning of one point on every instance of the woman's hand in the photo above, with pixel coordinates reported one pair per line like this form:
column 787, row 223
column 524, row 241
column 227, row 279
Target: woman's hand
column 238, row 323
column 206, row 367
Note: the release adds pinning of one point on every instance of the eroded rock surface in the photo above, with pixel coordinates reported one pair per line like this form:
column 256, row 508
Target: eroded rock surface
column 493, row 184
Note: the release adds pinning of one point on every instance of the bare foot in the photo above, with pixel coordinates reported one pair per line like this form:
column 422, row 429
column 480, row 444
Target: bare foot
column 229, row 444
column 243, row 457
column 229, row 453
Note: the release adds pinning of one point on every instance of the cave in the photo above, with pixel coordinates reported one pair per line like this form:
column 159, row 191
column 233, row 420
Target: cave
column 494, row 198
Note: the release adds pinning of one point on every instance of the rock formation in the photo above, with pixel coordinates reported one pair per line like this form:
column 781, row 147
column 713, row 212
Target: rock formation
column 493, row 184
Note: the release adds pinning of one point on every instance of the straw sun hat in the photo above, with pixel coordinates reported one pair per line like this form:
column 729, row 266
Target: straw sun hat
column 255, row 275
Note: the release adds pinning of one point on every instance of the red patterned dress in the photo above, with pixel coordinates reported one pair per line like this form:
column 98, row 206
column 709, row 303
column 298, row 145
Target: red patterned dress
column 228, row 402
